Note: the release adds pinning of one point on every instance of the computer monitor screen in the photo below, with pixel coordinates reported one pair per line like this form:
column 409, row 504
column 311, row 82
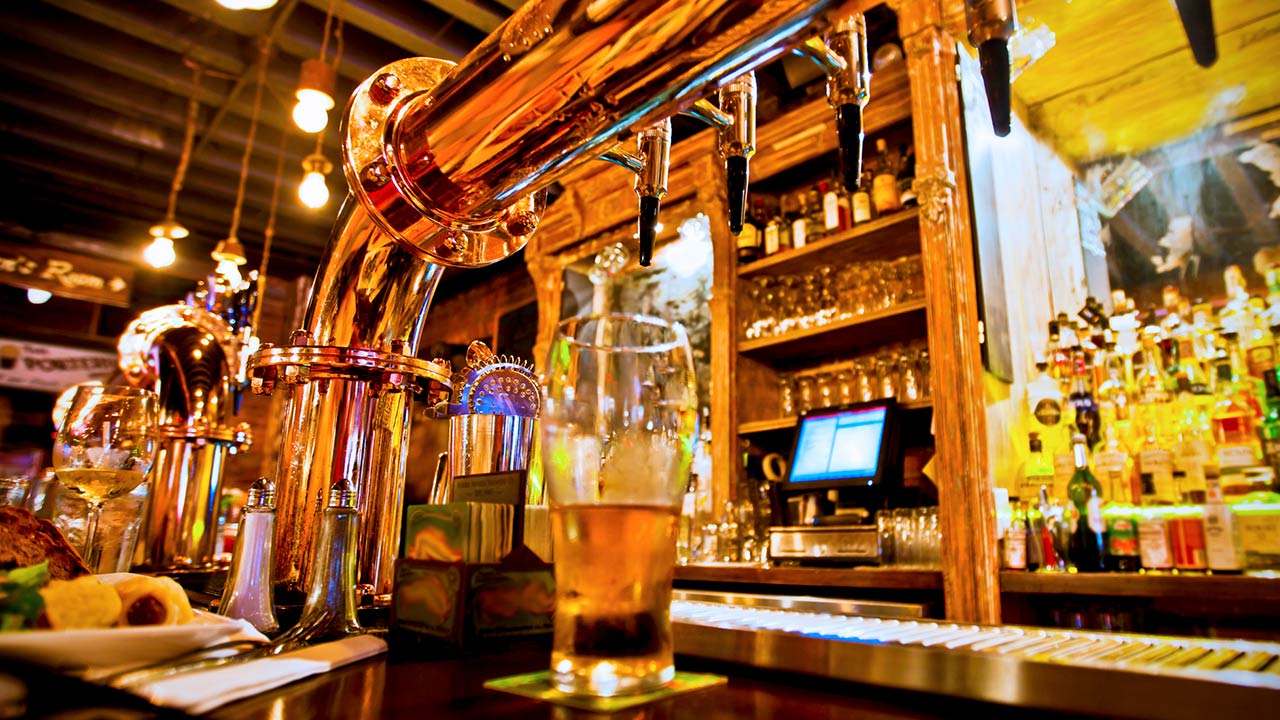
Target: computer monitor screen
column 841, row 446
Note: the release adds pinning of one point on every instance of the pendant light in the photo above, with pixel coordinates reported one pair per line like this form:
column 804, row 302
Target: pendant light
column 230, row 252
column 247, row 4
column 315, row 85
column 314, row 192
column 161, row 253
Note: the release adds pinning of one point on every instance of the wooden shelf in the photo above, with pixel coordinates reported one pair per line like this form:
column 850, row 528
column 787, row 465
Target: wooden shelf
column 786, row 423
column 858, row 577
column 888, row 237
column 841, row 338
column 1258, row 588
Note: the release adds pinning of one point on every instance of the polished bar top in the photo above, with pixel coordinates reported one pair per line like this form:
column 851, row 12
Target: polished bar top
column 453, row 688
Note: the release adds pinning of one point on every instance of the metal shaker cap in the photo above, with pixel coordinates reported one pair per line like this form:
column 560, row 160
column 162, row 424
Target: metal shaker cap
column 342, row 494
column 262, row 494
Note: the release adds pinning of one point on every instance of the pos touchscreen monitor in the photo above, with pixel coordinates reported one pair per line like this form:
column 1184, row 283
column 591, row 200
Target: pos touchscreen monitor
column 844, row 446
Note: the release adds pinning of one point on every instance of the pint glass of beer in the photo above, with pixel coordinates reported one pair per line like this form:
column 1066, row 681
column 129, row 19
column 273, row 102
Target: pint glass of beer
column 618, row 420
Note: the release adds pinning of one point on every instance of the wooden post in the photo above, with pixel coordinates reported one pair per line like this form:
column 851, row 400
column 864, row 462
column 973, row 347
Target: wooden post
column 970, row 568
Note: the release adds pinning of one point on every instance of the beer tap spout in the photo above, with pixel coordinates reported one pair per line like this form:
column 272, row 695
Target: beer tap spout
column 991, row 23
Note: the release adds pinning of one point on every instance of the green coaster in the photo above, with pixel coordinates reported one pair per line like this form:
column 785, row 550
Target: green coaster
column 537, row 685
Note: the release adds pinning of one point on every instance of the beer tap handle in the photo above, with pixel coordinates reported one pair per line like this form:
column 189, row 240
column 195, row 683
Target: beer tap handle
column 848, row 90
column 654, row 144
column 738, row 143
column 991, row 23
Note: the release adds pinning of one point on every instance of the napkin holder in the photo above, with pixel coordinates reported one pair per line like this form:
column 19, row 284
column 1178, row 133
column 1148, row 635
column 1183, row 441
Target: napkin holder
column 446, row 600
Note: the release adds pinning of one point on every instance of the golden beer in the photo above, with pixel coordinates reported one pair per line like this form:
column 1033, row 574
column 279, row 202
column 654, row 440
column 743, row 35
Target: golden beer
column 614, row 565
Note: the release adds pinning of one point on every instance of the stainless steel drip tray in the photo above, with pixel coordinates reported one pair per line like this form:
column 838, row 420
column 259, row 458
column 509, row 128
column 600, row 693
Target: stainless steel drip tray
column 1112, row 675
column 805, row 603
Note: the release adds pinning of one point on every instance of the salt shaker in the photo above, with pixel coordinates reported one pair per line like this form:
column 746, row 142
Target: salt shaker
column 329, row 612
column 248, row 593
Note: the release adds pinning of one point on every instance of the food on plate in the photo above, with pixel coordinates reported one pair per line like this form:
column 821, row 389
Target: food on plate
column 26, row 540
column 84, row 603
column 20, row 601
column 152, row 601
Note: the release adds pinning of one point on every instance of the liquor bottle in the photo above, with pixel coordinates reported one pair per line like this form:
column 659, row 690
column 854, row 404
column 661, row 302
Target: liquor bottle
column 835, row 209
column 884, row 184
column 1080, row 401
column 1269, row 428
column 1190, row 377
column 907, row 177
column 1152, row 383
column 1221, row 536
column 1015, row 539
column 1085, row 492
column 1114, row 403
column 815, row 218
column 751, row 239
column 1192, row 456
column 799, row 221
column 1119, row 514
column 1038, row 471
column 1113, row 466
column 1049, row 559
column 1034, row 533
column 860, row 201
column 778, row 231
column 1236, row 412
column 1155, row 470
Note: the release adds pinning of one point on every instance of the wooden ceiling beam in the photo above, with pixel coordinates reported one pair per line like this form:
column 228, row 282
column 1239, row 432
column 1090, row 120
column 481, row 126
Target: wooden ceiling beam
column 102, row 165
column 415, row 28
column 300, row 38
column 151, row 27
column 131, row 210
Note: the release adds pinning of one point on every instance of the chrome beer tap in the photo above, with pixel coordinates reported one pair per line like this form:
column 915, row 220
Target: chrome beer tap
column 654, row 143
column 738, row 143
column 991, row 23
column 448, row 166
column 843, row 56
column 848, row 91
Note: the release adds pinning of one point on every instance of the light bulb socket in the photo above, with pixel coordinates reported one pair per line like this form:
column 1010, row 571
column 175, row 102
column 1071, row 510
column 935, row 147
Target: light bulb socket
column 229, row 250
column 169, row 228
column 317, row 76
column 317, row 163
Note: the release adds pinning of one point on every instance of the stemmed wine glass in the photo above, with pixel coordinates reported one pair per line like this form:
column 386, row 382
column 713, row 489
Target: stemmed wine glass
column 104, row 449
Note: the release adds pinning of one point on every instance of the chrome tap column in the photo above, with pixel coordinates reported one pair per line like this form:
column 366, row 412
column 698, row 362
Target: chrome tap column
column 191, row 358
column 447, row 166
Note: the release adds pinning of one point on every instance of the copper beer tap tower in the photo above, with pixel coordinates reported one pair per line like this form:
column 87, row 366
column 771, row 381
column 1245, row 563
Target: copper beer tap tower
column 447, row 166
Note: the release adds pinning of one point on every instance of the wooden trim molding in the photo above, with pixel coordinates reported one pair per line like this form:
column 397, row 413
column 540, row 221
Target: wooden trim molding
column 970, row 571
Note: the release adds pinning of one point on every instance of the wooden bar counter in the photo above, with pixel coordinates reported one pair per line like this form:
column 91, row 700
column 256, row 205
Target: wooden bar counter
column 390, row 687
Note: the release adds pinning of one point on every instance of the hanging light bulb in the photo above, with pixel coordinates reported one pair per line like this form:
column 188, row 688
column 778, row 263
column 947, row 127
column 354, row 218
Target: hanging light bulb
column 160, row 253
column 247, row 4
column 230, row 256
column 38, row 297
column 315, row 96
column 313, row 192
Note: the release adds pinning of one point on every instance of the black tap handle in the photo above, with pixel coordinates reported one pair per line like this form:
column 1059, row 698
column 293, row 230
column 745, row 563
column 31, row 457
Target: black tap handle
column 850, row 137
column 993, row 56
column 737, row 173
column 649, row 206
column 1197, row 22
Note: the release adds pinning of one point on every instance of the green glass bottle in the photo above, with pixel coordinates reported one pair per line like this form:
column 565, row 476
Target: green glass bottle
column 1085, row 493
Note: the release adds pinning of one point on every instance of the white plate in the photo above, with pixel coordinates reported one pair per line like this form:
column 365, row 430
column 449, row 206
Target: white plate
column 121, row 645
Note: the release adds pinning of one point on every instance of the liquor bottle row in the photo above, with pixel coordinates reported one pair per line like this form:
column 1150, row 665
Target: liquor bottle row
column 1100, row 528
column 791, row 220
column 1165, row 399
